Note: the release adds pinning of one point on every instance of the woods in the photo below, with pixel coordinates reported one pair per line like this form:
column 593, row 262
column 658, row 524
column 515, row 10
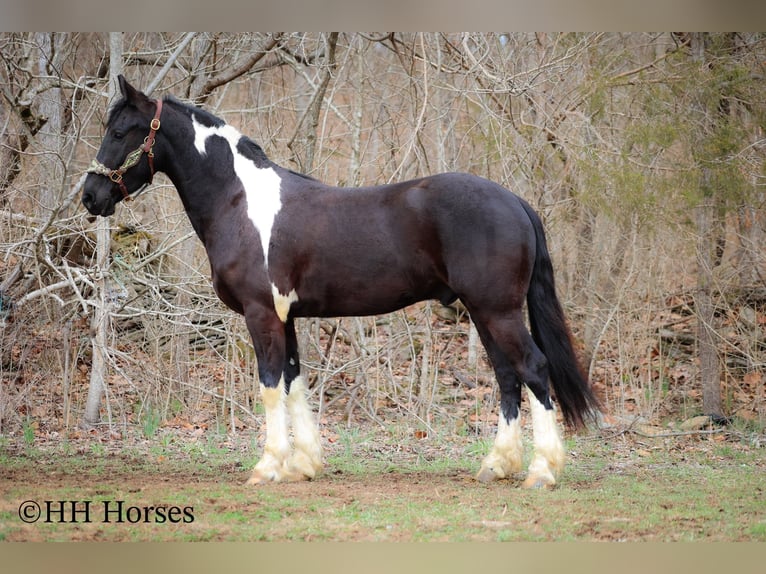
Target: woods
column 643, row 153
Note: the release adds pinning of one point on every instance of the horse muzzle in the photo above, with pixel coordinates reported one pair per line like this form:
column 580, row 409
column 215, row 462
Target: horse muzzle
column 98, row 201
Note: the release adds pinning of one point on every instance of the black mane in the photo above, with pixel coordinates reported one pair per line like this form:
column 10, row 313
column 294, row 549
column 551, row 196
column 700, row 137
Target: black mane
column 246, row 146
column 203, row 116
column 252, row 151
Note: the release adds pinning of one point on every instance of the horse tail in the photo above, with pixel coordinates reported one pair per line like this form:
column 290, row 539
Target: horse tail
column 551, row 334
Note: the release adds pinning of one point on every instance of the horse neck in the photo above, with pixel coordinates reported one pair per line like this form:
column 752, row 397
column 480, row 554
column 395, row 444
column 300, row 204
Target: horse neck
column 202, row 190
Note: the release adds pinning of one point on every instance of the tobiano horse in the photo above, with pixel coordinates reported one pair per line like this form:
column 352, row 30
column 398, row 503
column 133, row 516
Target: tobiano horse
column 283, row 245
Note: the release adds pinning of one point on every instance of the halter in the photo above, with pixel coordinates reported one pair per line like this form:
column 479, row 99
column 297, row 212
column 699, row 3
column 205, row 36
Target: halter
column 132, row 158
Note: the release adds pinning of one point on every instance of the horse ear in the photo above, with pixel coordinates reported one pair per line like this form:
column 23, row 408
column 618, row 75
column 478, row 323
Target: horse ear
column 125, row 87
column 131, row 94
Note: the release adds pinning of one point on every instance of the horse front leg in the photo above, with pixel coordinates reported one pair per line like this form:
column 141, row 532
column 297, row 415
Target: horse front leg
column 268, row 334
column 306, row 460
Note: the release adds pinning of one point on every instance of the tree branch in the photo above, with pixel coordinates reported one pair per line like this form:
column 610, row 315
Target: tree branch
column 169, row 64
column 234, row 72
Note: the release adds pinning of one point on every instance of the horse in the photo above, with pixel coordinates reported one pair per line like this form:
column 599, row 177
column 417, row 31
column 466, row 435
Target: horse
column 283, row 245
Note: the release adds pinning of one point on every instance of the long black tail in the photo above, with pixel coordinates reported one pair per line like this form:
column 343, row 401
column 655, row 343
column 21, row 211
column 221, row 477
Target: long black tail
column 551, row 334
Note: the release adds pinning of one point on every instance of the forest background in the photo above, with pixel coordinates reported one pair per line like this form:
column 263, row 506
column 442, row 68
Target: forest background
column 643, row 153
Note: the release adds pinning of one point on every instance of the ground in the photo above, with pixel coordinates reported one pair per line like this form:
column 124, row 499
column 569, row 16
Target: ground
column 618, row 485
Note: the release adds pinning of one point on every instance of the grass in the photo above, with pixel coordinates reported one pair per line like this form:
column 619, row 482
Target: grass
column 150, row 419
column 379, row 487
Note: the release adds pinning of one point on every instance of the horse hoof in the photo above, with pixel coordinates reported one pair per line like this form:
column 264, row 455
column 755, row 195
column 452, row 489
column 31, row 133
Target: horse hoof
column 303, row 467
column 486, row 475
column 258, row 478
column 539, row 482
column 296, row 476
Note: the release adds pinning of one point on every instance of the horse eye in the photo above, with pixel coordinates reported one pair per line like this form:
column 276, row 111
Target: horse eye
column 118, row 135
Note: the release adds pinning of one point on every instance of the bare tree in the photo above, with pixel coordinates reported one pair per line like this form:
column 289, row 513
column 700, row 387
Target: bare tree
column 101, row 321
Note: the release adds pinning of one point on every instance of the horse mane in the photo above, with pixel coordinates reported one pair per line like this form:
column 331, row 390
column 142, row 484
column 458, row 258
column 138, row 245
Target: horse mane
column 303, row 175
column 252, row 150
column 247, row 146
column 206, row 118
column 203, row 116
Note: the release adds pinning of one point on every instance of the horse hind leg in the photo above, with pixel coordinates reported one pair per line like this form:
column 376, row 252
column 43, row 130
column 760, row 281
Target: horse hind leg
column 516, row 359
column 548, row 459
column 505, row 458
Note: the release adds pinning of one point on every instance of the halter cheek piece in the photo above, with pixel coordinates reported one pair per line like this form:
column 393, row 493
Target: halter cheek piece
column 132, row 158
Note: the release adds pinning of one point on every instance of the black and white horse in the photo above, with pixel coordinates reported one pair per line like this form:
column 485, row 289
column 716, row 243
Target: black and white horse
column 282, row 245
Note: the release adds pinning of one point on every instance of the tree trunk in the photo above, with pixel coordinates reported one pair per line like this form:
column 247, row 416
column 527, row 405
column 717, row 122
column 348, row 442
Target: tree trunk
column 710, row 368
column 314, row 109
column 50, row 135
column 102, row 313
column 707, row 235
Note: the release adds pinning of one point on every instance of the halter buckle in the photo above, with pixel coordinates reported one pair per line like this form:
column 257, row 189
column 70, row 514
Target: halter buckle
column 155, row 124
column 115, row 176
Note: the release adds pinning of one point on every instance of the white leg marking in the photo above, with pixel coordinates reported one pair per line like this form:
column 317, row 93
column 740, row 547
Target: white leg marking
column 273, row 464
column 548, row 460
column 282, row 302
column 307, row 458
column 262, row 185
column 505, row 457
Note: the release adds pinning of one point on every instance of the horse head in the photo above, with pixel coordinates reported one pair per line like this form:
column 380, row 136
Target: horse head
column 127, row 145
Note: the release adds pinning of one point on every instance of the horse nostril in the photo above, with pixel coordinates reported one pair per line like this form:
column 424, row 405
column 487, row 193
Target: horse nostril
column 87, row 199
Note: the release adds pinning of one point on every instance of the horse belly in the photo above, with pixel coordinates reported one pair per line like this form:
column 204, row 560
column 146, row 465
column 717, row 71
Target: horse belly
column 346, row 296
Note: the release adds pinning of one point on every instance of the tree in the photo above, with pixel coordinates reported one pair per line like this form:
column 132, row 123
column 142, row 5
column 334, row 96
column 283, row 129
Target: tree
column 101, row 321
column 719, row 132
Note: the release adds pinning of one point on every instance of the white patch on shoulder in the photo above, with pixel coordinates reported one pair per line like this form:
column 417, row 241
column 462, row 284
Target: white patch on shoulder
column 262, row 185
column 282, row 302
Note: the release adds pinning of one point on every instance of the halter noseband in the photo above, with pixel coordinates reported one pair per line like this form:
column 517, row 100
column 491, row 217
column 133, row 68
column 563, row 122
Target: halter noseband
column 132, row 158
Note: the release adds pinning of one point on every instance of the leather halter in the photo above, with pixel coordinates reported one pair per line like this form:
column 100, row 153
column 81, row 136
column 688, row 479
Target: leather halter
column 132, row 159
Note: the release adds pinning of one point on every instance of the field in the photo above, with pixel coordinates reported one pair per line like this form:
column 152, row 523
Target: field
column 620, row 484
